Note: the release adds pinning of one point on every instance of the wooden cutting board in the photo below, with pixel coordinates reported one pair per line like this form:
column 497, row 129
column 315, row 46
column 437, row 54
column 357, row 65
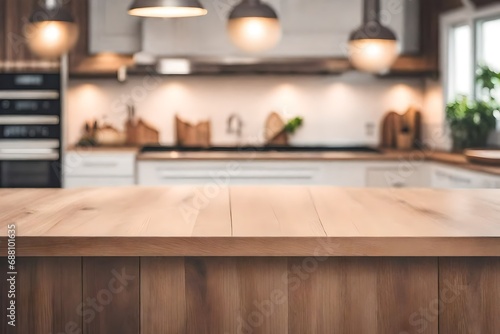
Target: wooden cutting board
column 393, row 123
column 193, row 135
column 274, row 130
column 140, row 133
column 484, row 157
column 390, row 128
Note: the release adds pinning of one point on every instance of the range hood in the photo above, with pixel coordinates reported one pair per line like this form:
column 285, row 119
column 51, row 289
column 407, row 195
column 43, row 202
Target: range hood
column 210, row 65
column 311, row 44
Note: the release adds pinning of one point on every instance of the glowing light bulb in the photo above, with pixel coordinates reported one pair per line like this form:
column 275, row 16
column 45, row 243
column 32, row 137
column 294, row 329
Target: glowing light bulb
column 373, row 55
column 51, row 39
column 254, row 34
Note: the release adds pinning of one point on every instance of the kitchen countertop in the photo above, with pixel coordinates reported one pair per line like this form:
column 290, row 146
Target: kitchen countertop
column 258, row 155
column 252, row 221
column 453, row 159
column 460, row 160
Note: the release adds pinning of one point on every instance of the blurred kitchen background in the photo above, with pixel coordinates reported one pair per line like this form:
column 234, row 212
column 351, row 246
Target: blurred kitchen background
column 187, row 75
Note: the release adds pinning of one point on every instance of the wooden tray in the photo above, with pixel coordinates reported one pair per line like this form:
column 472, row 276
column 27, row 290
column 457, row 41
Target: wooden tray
column 484, row 157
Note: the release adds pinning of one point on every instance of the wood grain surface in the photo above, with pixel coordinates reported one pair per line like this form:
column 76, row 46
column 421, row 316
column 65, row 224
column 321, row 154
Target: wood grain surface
column 266, row 295
column 359, row 295
column 213, row 307
column 285, row 211
column 48, row 295
column 469, row 295
column 256, row 246
column 163, row 288
column 252, row 221
column 111, row 288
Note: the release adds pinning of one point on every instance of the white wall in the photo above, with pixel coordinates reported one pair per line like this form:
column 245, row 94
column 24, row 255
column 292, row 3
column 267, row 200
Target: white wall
column 336, row 109
column 435, row 132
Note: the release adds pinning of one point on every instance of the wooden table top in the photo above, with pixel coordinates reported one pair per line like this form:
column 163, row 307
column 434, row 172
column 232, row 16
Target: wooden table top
column 252, row 221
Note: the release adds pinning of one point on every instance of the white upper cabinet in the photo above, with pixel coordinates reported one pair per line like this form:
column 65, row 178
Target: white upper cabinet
column 112, row 29
column 312, row 28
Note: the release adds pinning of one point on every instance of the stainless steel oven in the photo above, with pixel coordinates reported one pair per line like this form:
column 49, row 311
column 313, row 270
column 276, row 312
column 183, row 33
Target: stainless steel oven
column 30, row 131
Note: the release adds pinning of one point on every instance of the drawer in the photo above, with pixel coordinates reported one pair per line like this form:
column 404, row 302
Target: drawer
column 397, row 175
column 97, row 181
column 99, row 164
column 490, row 182
column 454, row 178
column 230, row 172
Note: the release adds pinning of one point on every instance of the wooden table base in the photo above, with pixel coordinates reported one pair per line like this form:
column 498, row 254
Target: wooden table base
column 230, row 295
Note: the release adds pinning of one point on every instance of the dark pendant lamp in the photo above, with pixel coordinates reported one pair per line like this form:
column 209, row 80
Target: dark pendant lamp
column 373, row 48
column 52, row 31
column 254, row 26
column 167, row 8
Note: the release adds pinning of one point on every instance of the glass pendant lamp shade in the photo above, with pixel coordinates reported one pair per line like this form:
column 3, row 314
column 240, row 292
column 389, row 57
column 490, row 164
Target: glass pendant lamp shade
column 373, row 48
column 254, row 26
column 167, row 8
column 52, row 31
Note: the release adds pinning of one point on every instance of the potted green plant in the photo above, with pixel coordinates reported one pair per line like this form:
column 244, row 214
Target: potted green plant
column 471, row 122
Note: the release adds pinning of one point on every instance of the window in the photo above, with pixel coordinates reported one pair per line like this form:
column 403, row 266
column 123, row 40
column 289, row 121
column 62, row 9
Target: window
column 470, row 39
column 488, row 46
column 460, row 76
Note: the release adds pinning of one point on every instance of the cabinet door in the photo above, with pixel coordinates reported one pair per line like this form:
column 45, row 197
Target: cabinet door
column 112, row 29
column 397, row 175
column 222, row 173
column 14, row 31
column 446, row 177
column 490, row 182
column 99, row 164
column 108, row 181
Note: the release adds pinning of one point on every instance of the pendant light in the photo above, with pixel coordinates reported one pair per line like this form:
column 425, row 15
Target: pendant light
column 52, row 31
column 167, row 8
column 373, row 48
column 254, row 26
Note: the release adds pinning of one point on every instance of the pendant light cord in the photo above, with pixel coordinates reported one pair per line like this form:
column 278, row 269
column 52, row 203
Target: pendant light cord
column 371, row 11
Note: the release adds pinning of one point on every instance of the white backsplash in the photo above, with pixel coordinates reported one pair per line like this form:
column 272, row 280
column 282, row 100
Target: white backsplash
column 336, row 109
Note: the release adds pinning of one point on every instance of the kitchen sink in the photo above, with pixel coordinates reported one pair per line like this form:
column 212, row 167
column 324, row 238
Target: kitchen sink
column 358, row 149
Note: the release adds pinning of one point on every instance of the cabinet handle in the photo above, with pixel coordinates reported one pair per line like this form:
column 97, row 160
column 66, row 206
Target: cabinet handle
column 100, row 164
column 453, row 178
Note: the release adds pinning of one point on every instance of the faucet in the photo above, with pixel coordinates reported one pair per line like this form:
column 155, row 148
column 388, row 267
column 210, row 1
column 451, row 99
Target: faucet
column 234, row 125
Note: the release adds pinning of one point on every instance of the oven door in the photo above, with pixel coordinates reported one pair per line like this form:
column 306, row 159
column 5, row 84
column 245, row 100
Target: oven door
column 33, row 168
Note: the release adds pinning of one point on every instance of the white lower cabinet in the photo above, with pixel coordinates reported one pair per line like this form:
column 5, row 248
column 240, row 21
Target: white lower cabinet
column 391, row 174
column 158, row 173
column 105, row 169
column 398, row 175
column 450, row 177
column 332, row 173
column 96, row 181
column 98, row 169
